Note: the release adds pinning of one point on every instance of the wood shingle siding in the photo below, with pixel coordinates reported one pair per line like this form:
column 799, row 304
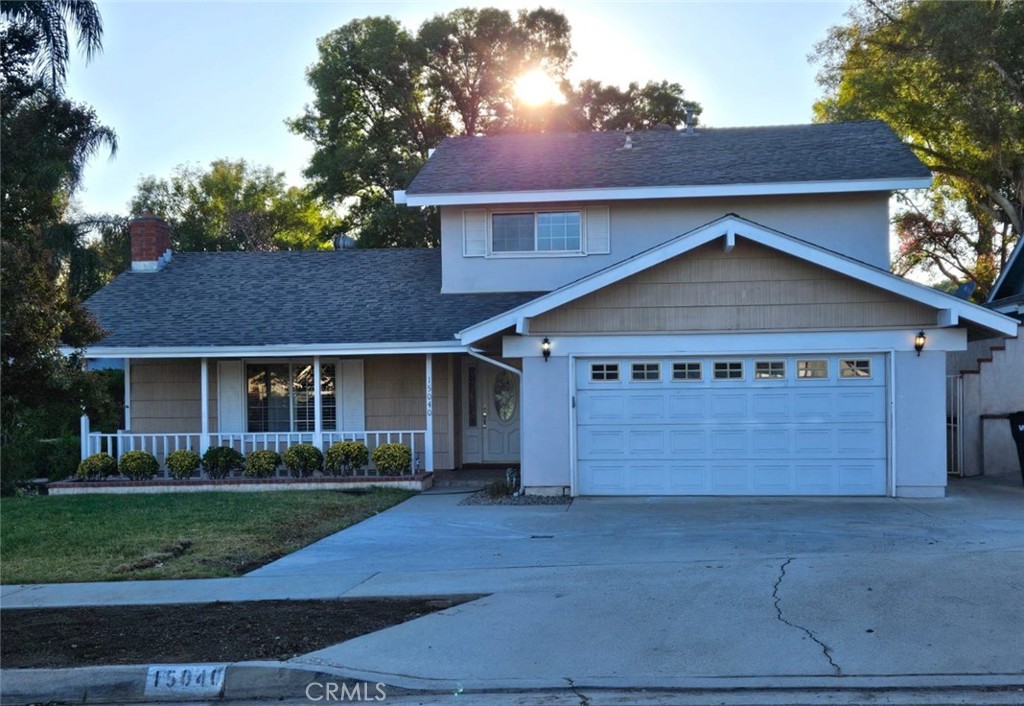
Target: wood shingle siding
column 165, row 396
column 394, row 399
column 751, row 288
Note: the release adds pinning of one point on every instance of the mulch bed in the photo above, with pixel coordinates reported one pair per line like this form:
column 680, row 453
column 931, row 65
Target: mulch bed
column 208, row 632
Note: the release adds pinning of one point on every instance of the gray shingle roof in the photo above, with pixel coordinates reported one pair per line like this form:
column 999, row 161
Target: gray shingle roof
column 712, row 156
column 252, row 298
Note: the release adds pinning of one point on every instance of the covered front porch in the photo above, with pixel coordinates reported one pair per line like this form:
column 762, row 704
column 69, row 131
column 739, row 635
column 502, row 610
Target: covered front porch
column 252, row 403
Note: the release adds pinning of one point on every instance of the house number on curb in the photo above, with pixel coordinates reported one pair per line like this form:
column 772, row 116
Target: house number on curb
column 194, row 679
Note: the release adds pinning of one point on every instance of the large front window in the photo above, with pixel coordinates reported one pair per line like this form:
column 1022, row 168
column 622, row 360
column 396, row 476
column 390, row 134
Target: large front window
column 282, row 396
column 535, row 232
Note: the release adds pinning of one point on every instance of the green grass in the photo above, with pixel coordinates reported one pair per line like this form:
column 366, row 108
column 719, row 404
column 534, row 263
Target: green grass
column 168, row 536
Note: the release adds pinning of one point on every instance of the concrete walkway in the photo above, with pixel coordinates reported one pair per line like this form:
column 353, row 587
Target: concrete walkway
column 667, row 593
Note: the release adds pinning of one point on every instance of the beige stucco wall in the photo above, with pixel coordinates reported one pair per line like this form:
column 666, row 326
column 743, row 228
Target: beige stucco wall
column 750, row 288
column 855, row 224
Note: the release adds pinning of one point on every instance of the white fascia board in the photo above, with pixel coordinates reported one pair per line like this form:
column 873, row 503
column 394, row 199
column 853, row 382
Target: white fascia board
column 747, row 343
column 341, row 349
column 759, row 234
column 400, row 196
column 634, row 193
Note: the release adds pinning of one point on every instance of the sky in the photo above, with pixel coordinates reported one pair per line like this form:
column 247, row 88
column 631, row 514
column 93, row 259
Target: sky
column 191, row 82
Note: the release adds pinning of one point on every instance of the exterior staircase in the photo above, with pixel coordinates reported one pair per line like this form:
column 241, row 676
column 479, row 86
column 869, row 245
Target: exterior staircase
column 991, row 372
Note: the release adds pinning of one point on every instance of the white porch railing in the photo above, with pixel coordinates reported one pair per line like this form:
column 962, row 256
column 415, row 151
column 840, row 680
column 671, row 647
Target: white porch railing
column 160, row 445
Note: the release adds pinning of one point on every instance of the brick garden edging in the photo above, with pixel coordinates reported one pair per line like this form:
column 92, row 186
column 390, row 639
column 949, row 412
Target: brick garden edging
column 417, row 482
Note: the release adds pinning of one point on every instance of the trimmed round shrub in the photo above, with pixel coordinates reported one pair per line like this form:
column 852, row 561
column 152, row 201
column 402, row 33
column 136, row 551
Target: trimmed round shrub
column 302, row 459
column 138, row 465
column 392, row 459
column 346, row 457
column 182, row 463
column 221, row 461
column 97, row 467
column 261, row 464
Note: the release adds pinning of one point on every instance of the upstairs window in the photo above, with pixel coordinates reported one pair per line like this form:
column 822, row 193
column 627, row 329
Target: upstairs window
column 555, row 231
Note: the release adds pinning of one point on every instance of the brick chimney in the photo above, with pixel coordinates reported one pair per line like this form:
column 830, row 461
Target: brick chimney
column 151, row 243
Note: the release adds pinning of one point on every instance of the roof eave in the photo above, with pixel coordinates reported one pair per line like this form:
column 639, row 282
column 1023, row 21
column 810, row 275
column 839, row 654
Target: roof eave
column 634, row 193
column 281, row 350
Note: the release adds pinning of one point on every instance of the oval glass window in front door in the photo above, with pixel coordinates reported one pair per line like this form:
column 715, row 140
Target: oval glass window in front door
column 505, row 395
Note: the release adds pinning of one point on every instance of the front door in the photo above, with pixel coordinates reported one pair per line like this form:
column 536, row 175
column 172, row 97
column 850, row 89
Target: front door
column 490, row 414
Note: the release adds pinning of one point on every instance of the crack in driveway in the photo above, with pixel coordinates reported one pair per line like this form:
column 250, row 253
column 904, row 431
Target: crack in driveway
column 584, row 700
column 778, row 612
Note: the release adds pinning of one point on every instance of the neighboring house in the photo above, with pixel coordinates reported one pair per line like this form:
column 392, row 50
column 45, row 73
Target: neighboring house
column 987, row 383
column 694, row 312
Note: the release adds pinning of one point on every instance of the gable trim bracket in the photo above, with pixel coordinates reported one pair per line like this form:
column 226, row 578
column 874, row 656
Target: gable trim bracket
column 951, row 309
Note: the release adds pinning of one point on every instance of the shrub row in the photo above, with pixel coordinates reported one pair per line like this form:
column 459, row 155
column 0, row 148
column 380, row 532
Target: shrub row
column 301, row 460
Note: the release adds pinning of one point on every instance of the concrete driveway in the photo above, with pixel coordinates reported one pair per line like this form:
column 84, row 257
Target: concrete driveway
column 689, row 592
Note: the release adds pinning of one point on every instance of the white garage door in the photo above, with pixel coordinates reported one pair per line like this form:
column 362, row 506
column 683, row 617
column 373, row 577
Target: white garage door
column 771, row 425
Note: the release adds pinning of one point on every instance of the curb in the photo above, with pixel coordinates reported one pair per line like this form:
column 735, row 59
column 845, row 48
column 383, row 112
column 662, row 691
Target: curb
column 288, row 680
column 136, row 683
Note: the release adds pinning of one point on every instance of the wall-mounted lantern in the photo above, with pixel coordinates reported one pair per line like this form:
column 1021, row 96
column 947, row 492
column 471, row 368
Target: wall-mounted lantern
column 545, row 348
column 919, row 340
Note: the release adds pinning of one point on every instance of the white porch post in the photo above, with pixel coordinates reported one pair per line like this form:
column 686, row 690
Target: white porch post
column 127, row 394
column 428, row 442
column 318, row 410
column 83, row 429
column 204, row 397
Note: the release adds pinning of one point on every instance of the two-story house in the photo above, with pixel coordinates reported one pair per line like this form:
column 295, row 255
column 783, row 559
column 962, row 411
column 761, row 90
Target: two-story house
column 671, row 312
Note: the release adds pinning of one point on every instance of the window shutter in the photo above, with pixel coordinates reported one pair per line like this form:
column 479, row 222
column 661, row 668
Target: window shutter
column 230, row 396
column 598, row 231
column 474, row 232
column 352, row 406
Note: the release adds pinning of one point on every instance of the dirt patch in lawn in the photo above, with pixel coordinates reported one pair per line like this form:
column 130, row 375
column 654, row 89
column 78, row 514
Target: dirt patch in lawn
column 207, row 632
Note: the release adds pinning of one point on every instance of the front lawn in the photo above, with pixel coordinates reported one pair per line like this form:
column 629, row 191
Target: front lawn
column 170, row 535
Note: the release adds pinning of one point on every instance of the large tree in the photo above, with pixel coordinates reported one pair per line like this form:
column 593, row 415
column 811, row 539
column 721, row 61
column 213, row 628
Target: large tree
column 949, row 78
column 475, row 56
column 233, row 205
column 372, row 124
column 46, row 140
column 384, row 97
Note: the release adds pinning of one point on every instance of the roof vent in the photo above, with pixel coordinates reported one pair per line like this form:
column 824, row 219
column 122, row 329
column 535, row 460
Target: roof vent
column 690, row 121
column 344, row 242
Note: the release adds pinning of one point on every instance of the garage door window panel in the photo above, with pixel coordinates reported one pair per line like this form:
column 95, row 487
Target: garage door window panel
column 728, row 370
column 646, row 372
column 687, row 372
column 812, row 370
column 770, row 370
column 604, row 372
column 858, row 368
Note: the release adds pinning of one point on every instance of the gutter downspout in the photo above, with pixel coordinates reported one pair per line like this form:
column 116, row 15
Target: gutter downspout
column 518, row 373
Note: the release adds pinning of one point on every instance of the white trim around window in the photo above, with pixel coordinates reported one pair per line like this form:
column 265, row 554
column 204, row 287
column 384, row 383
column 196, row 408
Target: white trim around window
column 571, row 231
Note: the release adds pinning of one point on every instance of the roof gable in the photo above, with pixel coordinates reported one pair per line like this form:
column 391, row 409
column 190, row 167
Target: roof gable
column 668, row 162
column 749, row 288
column 727, row 229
